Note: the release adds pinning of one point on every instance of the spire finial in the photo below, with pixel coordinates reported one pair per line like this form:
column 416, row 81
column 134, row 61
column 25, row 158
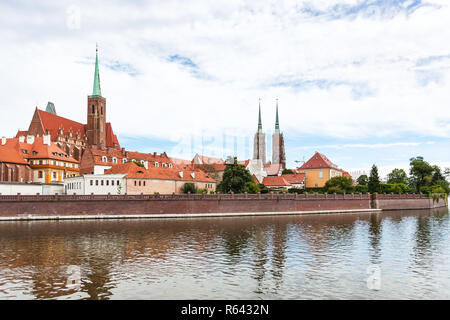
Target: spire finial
column 96, row 91
column 277, row 123
column 259, row 117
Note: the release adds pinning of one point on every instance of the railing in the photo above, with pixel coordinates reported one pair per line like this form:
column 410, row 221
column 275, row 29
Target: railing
column 217, row 197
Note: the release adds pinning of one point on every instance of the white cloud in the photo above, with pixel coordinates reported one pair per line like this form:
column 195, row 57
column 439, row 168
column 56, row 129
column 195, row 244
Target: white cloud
column 358, row 76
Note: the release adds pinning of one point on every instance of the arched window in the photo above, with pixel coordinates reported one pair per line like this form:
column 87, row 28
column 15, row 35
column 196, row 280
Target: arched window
column 93, row 109
column 104, row 159
column 101, row 109
column 12, row 174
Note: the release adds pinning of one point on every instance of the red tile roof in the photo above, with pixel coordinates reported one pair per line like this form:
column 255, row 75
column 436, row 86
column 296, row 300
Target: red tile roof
column 134, row 171
column 51, row 123
column 318, row 161
column 275, row 181
column 12, row 150
column 294, row 178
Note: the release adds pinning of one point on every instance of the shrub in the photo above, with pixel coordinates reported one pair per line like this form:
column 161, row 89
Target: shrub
column 189, row 187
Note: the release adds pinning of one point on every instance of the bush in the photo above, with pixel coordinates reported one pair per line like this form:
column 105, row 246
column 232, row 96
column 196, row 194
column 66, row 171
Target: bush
column 361, row 189
column 295, row 190
column 251, row 187
column 339, row 185
column 189, row 187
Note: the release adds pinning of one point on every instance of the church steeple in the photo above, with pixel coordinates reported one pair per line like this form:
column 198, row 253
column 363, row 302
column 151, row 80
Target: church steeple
column 277, row 123
column 96, row 91
column 259, row 117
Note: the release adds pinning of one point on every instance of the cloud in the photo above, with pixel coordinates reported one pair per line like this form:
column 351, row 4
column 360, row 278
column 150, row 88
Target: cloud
column 173, row 70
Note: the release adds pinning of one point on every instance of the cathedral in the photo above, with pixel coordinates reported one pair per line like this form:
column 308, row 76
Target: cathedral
column 71, row 136
column 278, row 162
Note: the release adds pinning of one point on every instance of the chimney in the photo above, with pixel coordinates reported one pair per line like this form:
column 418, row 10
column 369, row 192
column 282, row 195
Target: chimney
column 181, row 174
column 30, row 139
column 146, row 165
column 3, row 141
column 46, row 139
column 22, row 139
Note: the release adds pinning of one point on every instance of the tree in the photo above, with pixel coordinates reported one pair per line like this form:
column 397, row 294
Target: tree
column 235, row 178
column 339, row 185
column 287, row 171
column 374, row 180
column 189, row 187
column 421, row 173
column 252, row 187
column 363, row 180
column 398, row 176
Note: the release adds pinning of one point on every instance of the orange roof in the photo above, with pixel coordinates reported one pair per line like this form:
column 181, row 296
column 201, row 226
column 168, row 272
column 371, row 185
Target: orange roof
column 294, row 178
column 109, row 154
column 150, row 157
column 13, row 149
column 275, row 181
column 10, row 152
column 51, row 123
column 346, row 174
column 318, row 161
column 134, row 171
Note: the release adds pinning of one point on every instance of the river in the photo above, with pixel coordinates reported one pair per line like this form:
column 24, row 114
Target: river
column 404, row 254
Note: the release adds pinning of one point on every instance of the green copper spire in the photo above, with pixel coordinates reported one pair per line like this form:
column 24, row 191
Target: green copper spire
column 259, row 117
column 277, row 124
column 96, row 91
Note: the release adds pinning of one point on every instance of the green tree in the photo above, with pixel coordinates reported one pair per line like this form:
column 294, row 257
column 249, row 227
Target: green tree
column 398, row 176
column 339, row 185
column 189, row 187
column 235, row 178
column 374, row 180
column 421, row 173
column 362, row 180
column 252, row 187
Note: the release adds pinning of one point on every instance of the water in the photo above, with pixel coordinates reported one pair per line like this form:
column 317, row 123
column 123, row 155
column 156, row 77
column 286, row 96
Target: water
column 283, row 257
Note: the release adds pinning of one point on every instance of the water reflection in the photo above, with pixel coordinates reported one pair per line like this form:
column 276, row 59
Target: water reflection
column 289, row 257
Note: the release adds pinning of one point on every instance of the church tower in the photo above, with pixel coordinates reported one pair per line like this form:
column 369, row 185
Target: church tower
column 278, row 154
column 259, row 148
column 96, row 112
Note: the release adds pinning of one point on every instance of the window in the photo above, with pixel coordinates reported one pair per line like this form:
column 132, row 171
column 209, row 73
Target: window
column 124, row 160
column 142, row 161
column 114, row 160
column 143, row 183
column 93, row 109
column 139, row 183
column 92, row 182
column 40, row 175
column 96, row 182
column 54, row 175
column 156, row 164
column 102, row 182
column 101, row 109
column 170, row 165
column 135, row 183
column 118, row 182
column 107, row 182
column 104, row 159
column 112, row 182
column 163, row 164
column 321, row 174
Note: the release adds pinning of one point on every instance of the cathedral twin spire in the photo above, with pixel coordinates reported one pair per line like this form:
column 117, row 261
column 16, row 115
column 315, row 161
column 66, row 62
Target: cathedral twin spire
column 259, row 151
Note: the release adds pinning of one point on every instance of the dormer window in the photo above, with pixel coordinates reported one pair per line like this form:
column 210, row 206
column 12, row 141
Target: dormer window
column 170, row 165
column 35, row 152
column 142, row 161
column 133, row 160
column 104, row 159
column 114, row 160
column 156, row 164
column 163, row 164
column 124, row 160
column 24, row 151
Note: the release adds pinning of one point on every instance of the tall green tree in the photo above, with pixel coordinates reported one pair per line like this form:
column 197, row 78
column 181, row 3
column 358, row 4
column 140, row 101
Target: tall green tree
column 398, row 176
column 421, row 173
column 374, row 180
column 363, row 180
column 237, row 178
column 339, row 185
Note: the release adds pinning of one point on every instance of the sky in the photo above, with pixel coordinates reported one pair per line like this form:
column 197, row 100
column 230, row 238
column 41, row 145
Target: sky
column 363, row 82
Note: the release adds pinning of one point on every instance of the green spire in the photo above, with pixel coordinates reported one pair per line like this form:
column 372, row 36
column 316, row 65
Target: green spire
column 259, row 117
column 277, row 124
column 96, row 91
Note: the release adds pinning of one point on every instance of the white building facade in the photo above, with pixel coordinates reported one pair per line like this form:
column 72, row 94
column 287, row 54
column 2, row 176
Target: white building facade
column 96, row 184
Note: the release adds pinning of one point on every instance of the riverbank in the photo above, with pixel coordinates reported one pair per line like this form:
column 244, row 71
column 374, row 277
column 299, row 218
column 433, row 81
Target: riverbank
column 55, row 207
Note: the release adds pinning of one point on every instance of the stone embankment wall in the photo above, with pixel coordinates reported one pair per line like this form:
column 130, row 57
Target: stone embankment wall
column 29, row 206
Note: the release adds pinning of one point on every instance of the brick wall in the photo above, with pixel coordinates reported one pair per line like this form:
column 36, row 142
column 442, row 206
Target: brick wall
column 59, row 205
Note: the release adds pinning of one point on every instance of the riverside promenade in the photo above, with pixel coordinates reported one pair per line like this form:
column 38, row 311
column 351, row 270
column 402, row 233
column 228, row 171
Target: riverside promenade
column 44, row 207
